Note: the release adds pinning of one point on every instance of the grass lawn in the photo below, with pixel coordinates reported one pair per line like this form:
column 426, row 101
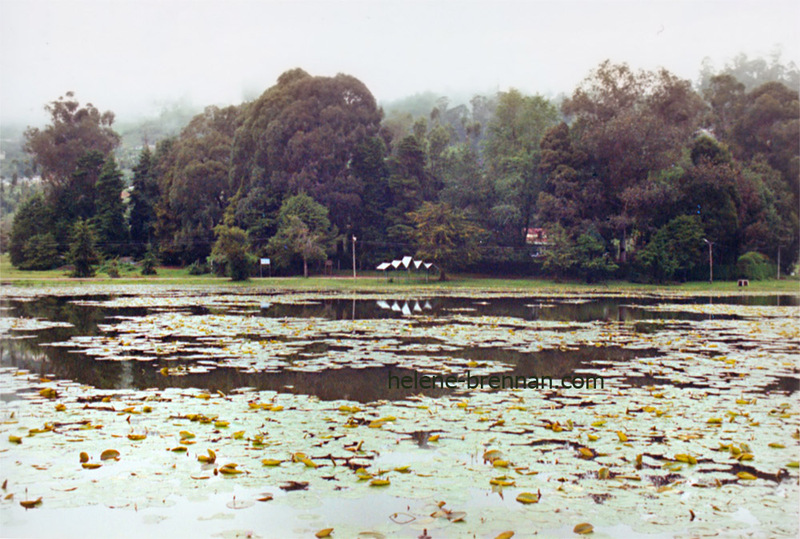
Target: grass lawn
column 376, row 281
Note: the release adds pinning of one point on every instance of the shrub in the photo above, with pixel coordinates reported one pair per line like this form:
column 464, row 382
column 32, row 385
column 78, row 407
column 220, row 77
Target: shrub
column 197, row 268
column 149, row 262
column 112, row 269
column 40, row 252
column 232, row 247
column 754, row 266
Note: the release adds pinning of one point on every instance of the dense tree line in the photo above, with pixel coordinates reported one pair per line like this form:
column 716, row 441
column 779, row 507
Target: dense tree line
column 630, row 176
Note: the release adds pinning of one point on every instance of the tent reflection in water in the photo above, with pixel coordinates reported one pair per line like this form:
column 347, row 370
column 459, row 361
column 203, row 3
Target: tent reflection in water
column 408, row 306
column 406, row 262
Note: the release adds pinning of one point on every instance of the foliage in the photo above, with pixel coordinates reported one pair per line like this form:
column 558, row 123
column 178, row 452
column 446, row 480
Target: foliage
column 444, row 236
column 149, row 262
column 112, row 268
column 593, row 261
column 109, row 221
column 193, row 180
column 232, row 250
column 559, row 258
column 707, row 148
column 33, row 219
column 623, row 173
column 302, row 135
column 74, row 130
column 754, row 266
column 40, row 252
column 674, row 250
column 82, row 253
column 144, row 197
column 513, row 155
column 197, row 268
column 304, row 230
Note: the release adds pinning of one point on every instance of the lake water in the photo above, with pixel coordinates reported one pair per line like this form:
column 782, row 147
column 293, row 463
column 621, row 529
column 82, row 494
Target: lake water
column 267, row 375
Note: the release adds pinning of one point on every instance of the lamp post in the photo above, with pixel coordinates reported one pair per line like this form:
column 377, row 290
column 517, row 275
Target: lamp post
column 710, row 261
column 354, row 256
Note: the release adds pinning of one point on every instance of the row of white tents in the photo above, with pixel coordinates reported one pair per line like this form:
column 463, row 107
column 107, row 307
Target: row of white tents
column 406, row 262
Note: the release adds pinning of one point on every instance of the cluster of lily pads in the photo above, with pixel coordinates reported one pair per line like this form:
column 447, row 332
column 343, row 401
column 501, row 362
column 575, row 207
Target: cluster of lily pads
column 684, row 438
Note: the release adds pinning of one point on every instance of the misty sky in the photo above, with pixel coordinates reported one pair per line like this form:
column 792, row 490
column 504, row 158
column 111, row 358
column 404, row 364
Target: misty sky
column 131, row 57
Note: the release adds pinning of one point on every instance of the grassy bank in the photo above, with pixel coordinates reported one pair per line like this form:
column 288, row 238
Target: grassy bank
column 377, row 282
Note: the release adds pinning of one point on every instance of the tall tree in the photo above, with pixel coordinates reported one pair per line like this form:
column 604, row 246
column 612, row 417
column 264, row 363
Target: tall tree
column 82, row 253
column 74, row 130
column 109, row 222
column 144, row 197
column 193, row 179
column 770, row 126
column 33, row 246
column 512, row 152
column 629, row 124
column 302, row 135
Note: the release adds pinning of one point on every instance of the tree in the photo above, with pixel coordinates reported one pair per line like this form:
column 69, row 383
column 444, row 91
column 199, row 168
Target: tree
column 445, row 236
column 82, row 254
column 371, row 168
column 304, row 230
column 768, row 127
column 78, row 198
column 295, row 237
column 301, row 135
column 40, row 252
column 592, row 259
column 232, row 250
column 629, row 124
column 754, row 266
column 109, row 221
column 568, row 196
column 675, row 249
column 149, row 262
column 33, row 218
column 513, row 155
column 559, row 258
column 74, row 130
column 710, row 191
column 193, row 173
column 144, row 197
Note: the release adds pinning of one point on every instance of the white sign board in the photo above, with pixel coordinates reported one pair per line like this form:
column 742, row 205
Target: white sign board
column 265, row 262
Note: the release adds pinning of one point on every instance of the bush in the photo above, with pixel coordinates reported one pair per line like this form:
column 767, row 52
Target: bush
column 197, row 268
column 112, row 269
column 754, row 266
column 40, row 252
column 149, row 262
column 231, row 248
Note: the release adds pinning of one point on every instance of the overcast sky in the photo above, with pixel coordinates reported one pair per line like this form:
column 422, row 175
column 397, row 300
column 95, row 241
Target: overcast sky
column 132, row 56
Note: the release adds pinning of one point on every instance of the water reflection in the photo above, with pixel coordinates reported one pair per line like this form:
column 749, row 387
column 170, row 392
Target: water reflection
column 366, row 384
column 359, row 384
column 610, row 309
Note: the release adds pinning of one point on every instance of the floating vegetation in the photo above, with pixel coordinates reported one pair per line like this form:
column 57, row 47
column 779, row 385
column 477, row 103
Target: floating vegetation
column 188, row 406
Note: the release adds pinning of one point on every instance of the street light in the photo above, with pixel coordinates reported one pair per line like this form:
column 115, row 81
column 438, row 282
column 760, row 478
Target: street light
column 710, row 261
column 354, row 256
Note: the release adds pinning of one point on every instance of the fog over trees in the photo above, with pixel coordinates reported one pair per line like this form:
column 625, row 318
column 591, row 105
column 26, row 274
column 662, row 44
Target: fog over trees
column 626, row 176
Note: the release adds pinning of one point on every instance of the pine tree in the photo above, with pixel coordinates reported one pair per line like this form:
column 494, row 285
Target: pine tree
column 82, row 253
column 109, row 221
column 143, row 200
